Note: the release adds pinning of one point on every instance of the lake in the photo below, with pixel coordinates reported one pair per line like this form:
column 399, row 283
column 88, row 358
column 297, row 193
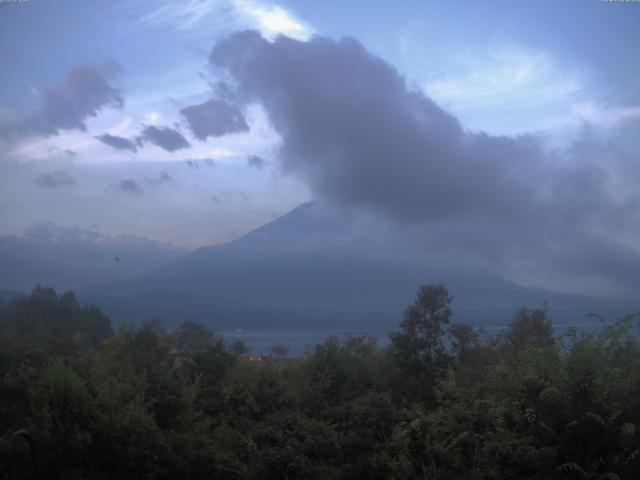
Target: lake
column 260, row 342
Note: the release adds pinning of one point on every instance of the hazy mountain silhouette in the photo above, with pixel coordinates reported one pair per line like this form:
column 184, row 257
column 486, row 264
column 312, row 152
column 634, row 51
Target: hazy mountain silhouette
column 70, row 258
column 314, row 268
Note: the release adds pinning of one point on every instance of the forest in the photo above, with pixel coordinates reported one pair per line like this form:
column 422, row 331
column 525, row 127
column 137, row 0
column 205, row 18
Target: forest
column 442, row 400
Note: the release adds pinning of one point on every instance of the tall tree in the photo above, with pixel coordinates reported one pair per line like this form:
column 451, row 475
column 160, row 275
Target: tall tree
column 418, row 345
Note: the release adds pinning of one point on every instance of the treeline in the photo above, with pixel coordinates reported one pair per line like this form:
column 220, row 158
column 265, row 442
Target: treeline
column 441, row 401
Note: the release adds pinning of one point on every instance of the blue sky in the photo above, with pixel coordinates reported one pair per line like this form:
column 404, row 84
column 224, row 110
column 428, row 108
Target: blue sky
column 546, row 69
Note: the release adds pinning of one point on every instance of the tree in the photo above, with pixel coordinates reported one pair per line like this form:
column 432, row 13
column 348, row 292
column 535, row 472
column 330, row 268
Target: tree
column 193, row 337
column 530, row 328
column 417, row 346
column 280, row 351
column 463, row 338
column 46, row 318
column 419, row 340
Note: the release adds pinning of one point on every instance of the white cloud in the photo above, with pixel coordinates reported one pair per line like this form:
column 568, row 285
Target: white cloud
column 152, row 118
column 271, row 20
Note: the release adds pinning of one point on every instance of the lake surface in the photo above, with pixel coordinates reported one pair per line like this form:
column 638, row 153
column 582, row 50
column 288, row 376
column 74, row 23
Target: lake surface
column 299, row 341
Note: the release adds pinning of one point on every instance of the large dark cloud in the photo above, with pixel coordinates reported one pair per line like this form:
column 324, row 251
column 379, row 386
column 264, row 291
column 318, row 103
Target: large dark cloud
column 356, row 134
column 84, row 91
column 119, row 143
column 214, row 118
column 166, row 138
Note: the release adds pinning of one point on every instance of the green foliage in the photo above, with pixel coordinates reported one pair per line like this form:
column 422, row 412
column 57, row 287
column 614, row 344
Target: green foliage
column 418, row 346
column 529, row 328
column 45, row 317
column 440, row 402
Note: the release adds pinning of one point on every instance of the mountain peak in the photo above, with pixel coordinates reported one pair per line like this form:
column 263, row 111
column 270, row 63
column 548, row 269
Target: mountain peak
column 308, row 224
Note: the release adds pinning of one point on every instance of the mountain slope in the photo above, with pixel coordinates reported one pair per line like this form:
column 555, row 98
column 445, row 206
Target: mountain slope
column 312, row 269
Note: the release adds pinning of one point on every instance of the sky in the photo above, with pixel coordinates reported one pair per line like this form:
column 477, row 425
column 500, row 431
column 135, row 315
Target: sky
column 504, row 131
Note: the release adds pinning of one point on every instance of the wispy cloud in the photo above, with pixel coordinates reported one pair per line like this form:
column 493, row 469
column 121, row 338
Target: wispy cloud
column 271, row 20
column 604, row 115
column 503, row 73
column 186, row 15
column 507, row 89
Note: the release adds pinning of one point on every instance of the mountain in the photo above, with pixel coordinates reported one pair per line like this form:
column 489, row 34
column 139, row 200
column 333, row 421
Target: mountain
column 318, row 268
column 70, row 258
